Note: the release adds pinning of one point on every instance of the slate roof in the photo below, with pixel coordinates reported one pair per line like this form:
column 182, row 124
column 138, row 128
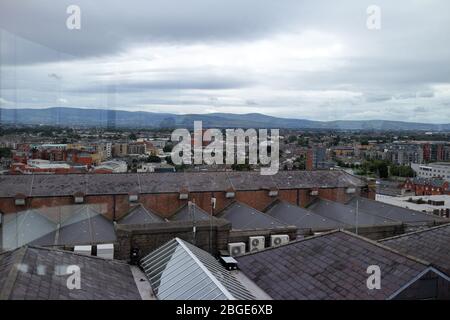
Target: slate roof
column 243, row 217
column 140, row 215
column 329, row 266
column 60, row 225
column 34, row 273
column 86, row 226
column 92, row 184
column 180, row 271
column 347, row 214
column 190, row 212
column 302, row 218
column 392, row 212
column 431, row 244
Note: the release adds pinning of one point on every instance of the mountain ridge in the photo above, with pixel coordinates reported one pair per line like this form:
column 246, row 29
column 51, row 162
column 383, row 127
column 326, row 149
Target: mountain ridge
column 89, row 117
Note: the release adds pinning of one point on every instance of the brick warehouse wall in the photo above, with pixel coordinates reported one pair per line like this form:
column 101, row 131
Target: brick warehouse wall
column 210, row 237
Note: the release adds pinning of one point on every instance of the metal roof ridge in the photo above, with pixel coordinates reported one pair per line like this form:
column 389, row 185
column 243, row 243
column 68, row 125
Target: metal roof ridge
column 221, row 287
column 382, row 246
column 12, row 274
column 416, row 232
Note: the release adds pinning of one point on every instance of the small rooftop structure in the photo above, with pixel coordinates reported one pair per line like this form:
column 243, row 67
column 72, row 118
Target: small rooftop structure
column 180, row 271
column 35, row 273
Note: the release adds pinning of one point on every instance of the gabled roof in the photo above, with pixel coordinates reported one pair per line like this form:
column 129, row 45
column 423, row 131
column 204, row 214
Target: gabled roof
column 190, row 212
column 430, row 244
column 244, row 217
column 86, row 226
column 41, row 274
column 180, row 271
column 330, row 266
column 25, row 227
column 392, row 212
column 140, row 215
column 61, row 225
column 347, row 214
column 302, row 218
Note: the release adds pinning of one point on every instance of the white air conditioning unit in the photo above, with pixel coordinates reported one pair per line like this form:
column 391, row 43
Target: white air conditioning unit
column 279, row 239
column 86, row 250
column 105, row 251
column 236, row 249
column 314, row 193
column 256, row 243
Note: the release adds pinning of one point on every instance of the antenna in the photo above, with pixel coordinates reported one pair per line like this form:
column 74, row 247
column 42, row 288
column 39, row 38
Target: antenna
column 191, row 207
column 356, row 213
column 213, row 206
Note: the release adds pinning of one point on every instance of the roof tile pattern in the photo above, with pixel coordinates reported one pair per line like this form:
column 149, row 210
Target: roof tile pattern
column 34, row 273
column 431, row 244
column 331, row 266
column 59, row 185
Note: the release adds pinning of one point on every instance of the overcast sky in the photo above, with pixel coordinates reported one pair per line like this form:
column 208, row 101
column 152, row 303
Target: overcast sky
column 289, row 58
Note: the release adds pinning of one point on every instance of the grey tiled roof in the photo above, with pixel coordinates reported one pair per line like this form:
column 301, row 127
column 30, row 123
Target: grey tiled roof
column 347, row 214
column 186, row 213
column 59, row 185
column 302, row 218
column 392, row 212
column 34, row 273
column 140, row 215
column 243, row 217
column 60, row 225
column 330, row 266
column 432, row 244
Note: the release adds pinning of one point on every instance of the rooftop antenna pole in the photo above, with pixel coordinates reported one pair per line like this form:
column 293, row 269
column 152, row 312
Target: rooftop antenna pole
column 357, row 211
column 192, row 209
column 213, row 206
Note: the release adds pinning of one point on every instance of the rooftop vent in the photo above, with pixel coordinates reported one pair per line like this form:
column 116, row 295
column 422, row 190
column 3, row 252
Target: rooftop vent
column 229, row 263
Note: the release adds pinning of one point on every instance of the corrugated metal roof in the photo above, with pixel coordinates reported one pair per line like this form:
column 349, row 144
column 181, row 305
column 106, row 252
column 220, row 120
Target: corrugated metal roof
column 180, row 271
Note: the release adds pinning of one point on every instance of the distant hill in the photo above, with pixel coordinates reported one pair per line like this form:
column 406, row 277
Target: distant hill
column 120, row 118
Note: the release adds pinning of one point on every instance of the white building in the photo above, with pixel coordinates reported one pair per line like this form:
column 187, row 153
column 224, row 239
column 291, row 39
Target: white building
column 432, row 170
